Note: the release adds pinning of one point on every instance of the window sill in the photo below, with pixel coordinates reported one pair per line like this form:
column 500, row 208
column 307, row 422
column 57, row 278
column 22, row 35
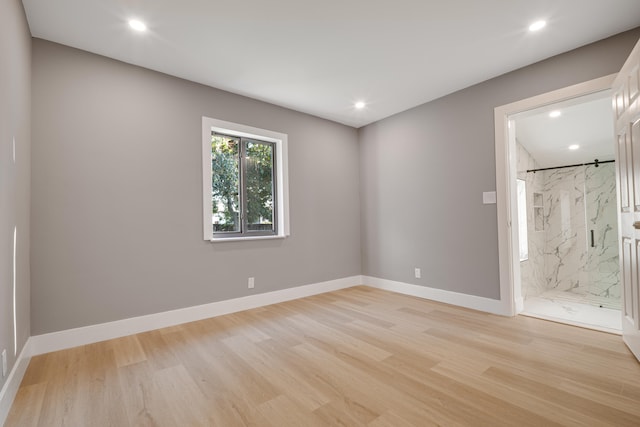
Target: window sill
column 241, row 239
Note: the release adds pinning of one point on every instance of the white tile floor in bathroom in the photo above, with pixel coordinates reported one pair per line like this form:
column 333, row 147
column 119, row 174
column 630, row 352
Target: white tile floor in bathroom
column 570, row 308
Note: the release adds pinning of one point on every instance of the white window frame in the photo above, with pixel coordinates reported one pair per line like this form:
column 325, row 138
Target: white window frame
column 523, row 232
column 210, row 125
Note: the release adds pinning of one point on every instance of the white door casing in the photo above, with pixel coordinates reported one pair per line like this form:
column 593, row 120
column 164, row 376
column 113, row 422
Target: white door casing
column 505, row 147
column 626, row 111
column 518, row 300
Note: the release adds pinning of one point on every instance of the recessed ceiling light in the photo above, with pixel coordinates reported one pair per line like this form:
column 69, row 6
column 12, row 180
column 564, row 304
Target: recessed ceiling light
column 538, row 25
column 555, row 113
column 360, row 105
column 574, row 147
column 137, row 25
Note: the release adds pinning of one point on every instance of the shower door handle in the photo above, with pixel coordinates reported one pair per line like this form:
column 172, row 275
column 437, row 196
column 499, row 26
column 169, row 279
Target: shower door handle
column 593, row 243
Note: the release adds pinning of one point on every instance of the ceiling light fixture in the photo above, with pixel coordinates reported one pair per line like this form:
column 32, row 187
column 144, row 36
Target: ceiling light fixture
column 574, row 147
column 537, row 26
column 360, row 105
column 137, row 25
column 555, row 113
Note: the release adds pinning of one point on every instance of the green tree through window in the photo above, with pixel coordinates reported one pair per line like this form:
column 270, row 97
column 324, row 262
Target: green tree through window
column 225, row 182
column 242, row 185
column 259, row 177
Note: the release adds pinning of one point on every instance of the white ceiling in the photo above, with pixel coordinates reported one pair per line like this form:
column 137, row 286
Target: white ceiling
column 586, row 121
column 319, row 57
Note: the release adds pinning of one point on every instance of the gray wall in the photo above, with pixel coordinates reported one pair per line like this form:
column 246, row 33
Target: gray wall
column 15, row 122
column 423, row 172
column 117, row 186
column 117, row 202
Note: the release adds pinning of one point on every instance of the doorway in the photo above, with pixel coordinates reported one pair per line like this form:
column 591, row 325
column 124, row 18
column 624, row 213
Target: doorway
column 512, row 296
column 566, row 212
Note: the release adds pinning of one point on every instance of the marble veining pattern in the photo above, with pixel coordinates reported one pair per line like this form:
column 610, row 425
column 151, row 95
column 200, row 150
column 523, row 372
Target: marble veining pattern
column 580, row 200
column 532, row 270
column 561, row 256
column 565, row 230
column 602, row 268
column 569, row 308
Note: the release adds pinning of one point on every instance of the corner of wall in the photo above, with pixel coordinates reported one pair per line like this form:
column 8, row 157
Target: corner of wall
column 10, row 389
column 15, row 190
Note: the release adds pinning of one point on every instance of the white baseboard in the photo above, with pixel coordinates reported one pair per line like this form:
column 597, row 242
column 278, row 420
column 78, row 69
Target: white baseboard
column 55, row 341
column 463, row 300
column 90, row 334
column 519, row 305
column 69, row 338
column 10, row 389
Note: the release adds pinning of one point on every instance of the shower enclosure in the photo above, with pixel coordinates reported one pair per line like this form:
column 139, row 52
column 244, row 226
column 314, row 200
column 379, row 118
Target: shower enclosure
column 569, row 271
column 581, row 243
column 572, row 235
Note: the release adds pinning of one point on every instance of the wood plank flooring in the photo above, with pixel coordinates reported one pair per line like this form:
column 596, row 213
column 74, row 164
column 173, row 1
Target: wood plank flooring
column 355, row 357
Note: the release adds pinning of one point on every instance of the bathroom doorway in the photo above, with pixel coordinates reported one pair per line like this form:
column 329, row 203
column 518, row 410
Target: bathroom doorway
column 566, row 209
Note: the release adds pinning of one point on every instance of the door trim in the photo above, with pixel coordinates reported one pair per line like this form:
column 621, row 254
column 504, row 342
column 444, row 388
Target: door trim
column 509, row 262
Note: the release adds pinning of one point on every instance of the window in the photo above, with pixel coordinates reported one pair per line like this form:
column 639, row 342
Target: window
column 242, row 185
column 522, row 219
column 245, row 182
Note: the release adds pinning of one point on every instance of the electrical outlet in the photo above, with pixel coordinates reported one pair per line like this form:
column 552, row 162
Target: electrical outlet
column 418, row 273
column 4, row 363
column 251, row 282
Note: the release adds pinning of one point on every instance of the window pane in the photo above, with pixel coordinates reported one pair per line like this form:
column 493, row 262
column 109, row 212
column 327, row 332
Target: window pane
column 225, row 183
column 522, row 219
column 259, row 185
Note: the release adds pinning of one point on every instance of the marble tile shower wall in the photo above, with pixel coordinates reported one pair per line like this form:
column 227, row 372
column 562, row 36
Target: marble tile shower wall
column 602, row 268
column 565, row 247
column 578, row 200
column 532, row 272
column 570, row 203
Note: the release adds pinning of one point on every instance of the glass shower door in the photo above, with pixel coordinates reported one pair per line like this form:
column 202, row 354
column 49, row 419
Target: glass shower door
column 602, row 268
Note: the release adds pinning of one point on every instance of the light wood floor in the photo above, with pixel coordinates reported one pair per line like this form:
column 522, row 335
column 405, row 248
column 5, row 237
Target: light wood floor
column 356, row 357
